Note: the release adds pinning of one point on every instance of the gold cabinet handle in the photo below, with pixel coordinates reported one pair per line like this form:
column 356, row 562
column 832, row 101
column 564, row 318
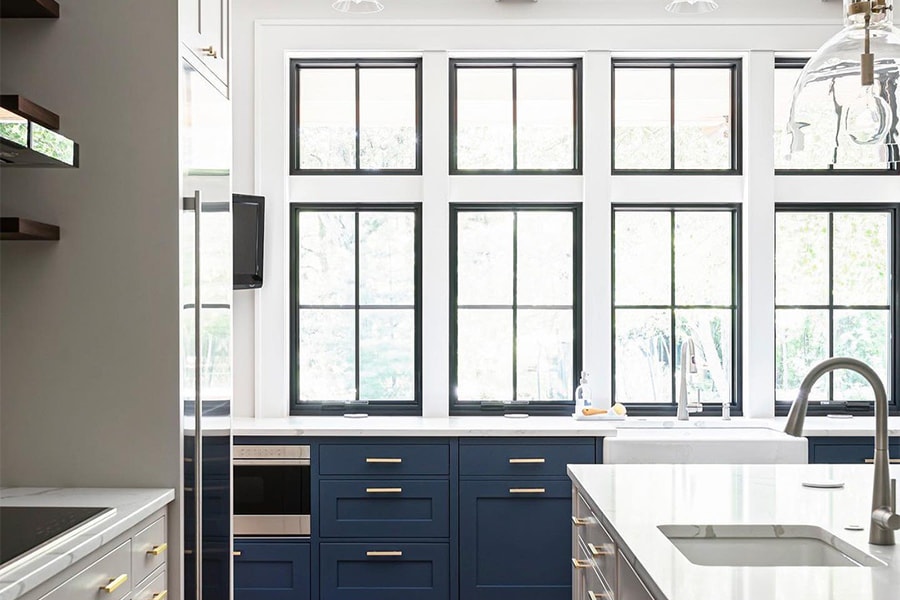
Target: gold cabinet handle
column 384, row 490
column 210, row 51
column 893, row 461
column 384, row 461
column 580, row 564
column 114, row 584
column 527, row 461
column 384, row 553
column 160, row 596
column 580, row 522
column 595, row 551
column 237, row 553
column 158, row 549
column 527, row 490
column 594, row 596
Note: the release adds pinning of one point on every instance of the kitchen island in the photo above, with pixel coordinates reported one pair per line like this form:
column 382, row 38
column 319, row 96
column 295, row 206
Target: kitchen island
column 620, row 550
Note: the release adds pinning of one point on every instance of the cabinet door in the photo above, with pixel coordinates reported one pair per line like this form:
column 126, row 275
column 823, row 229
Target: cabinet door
column 515, row 539
column 271, row 570
column 204, row 33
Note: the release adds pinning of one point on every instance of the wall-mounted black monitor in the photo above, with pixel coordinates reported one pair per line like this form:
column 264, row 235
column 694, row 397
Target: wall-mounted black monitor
column 248, row 217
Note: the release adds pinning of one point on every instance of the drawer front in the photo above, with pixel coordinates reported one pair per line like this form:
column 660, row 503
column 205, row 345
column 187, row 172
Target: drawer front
column 848, row 450
column 148, row 550
column 271, row 570
column 384, row 508
column 630, row 585
column 155, row 589
column 536, row 457
column 600, row 576
column 384, row 571
column 595, row 541
column 112, row 572
column 594, row 586
column 384, row 459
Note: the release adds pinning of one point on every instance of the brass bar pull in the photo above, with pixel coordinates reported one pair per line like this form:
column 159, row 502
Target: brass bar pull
column 384, row 490
column 580, row 564
column 527, row 490
column 114, row 584
column 160, row 596
column 527, row 461
column 237, row 553
column 595, row 551
column 384, row 553
column 594, row 596
column 579, row 522
column 893, row 461
column 210, row 51
column 384, row 461
column 158, row 549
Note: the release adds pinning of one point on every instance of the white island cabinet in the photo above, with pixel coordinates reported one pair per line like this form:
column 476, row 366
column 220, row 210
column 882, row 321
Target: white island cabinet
column 727, row 532
column 123, row 556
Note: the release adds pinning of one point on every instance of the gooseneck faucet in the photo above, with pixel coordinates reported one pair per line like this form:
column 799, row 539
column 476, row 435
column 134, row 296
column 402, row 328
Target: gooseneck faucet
column 688, row 365
column 884, row 496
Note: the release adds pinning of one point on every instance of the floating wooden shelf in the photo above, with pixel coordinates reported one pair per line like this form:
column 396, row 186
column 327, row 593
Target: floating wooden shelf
column 15, row 228
column 24, row 107
column 29, row 9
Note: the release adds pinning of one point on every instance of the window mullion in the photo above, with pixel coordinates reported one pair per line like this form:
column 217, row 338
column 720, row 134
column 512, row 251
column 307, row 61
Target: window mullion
column 356, row 293
column 830, row 301
column 515, row 302
column 674, row 342
column 515, row 118
column 356, row 70
column 672, row 121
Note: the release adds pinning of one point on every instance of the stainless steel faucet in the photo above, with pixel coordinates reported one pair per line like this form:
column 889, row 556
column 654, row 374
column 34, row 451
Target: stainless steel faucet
column 884, row 490
column 688, row 365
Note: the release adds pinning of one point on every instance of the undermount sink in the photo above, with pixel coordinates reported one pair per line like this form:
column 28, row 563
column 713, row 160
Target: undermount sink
column 703, row 445
column 765, row 546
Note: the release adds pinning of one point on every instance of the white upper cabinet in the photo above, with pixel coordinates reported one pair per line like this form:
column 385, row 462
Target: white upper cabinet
column 205, row 38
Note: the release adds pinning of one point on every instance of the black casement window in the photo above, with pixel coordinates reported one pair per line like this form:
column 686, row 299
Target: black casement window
column 356, row 117
column 676, row 276
column 854, row 159
column 515, row 116
column 676, row 116
column 835, row 295
column 515, row 307
column 355, row 297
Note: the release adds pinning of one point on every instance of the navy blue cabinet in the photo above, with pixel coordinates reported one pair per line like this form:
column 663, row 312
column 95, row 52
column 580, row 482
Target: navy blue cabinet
column 384, row 571
column 271, row 569
column 847, row 450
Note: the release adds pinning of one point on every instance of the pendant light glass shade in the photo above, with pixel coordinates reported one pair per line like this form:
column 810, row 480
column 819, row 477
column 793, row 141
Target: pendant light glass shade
column 691, row 7
column 358, row 7
column 844, row 110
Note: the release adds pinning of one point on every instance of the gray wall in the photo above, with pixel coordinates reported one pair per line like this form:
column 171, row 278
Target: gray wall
column 89, row 325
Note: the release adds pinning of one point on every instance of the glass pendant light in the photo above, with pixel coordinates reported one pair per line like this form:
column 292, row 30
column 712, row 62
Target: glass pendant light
column 844, row 111
column 691, row 7
column 358, row 7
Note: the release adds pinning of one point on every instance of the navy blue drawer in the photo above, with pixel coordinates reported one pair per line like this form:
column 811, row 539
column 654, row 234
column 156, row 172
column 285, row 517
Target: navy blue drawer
column 273, row 570
column 384, row 508
column 847, row 450
column 529, row 457
column 370, row 459
column 384, row 571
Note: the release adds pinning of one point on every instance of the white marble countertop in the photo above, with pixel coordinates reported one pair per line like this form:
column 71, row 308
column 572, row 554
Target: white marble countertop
column 634, row 500
column 497, row 426
column 131, row 504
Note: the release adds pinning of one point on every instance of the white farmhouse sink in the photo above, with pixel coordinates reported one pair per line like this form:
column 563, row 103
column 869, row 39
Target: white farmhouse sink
column 765, row 546
column 700, row 445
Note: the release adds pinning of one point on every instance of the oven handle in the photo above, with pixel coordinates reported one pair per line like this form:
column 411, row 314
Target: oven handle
column 253, row 462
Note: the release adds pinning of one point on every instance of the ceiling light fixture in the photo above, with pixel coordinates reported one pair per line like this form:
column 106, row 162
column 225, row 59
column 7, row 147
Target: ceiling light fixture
column 358, row 7
column 846, row 98
column 691, row 7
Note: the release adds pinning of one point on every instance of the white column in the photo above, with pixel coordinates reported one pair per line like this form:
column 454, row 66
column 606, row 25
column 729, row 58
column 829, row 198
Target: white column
column 435, row 235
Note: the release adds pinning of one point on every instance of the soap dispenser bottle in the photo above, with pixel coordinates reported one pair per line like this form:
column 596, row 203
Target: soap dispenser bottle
column 583, row 395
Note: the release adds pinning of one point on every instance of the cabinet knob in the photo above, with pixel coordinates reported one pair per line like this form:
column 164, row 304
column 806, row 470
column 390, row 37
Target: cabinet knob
column 384, row 553
column 384, row 461
column 114, row 584
column 527, row 461
column 580, row 522
column 237, row 553
column 595, row 551
column 158, row 549
column 384, row 490
column 527, row 490
column 210, row 51
column 580, row 564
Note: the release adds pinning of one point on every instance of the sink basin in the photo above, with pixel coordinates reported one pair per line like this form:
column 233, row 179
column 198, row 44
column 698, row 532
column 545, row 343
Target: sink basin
column 694, row 423
column 765, row 546
column 693, row 445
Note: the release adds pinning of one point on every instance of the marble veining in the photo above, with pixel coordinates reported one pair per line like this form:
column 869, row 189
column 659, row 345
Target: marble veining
column 639, row 503
column 132, row 505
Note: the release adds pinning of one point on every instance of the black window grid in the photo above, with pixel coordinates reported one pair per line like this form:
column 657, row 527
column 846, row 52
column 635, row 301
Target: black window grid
column 356, row 65
column 383, row 407
column 667, row 409
column 736, row 67
column 838, row 406
column 515, row 64
column 547, row 407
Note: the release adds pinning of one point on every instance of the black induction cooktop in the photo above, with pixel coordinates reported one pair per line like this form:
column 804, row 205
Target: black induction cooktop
column 24, row 529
